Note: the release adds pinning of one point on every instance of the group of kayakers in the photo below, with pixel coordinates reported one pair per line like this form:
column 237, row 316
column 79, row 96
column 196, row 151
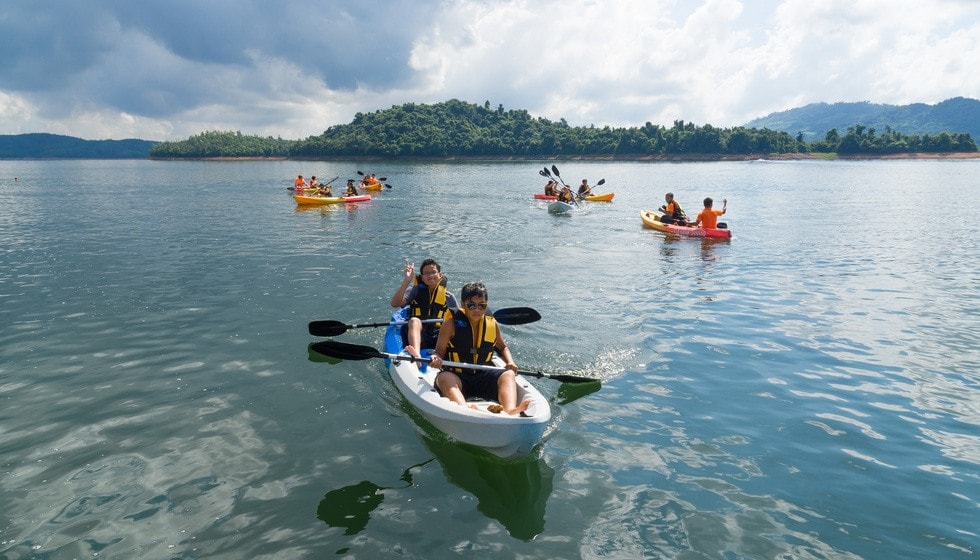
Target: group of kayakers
column 369, row 182
column 672, row 213
column 564, row 192
column 466, row 333
column 315, row 187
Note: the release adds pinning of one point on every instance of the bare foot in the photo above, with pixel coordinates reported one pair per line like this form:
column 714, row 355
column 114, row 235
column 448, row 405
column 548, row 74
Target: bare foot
column 521, row 407
column 411, row 350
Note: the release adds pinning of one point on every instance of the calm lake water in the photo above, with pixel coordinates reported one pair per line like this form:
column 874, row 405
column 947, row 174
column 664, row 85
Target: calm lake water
column 809, row 389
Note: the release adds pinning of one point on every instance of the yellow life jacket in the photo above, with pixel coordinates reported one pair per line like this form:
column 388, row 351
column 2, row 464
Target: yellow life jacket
column 429, row 304
column 472, row 347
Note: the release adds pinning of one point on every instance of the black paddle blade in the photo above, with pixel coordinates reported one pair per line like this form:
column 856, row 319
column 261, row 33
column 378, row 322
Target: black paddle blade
column 387, row 186
column 315, row 356
column 554, row 169
column 563, row 377
column 345, row 351
column 571, row 392
column 541, row 173
column 382, row 179
column 361, row 173
column 327, row 328
column 601, row 182
column 516, row 316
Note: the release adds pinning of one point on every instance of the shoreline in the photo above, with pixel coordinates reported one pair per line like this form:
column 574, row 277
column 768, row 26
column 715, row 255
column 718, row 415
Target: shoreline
column 650, row 158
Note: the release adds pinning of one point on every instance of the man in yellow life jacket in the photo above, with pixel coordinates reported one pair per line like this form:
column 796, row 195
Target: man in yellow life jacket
column 472, row 336
column 427, row 299
column 672, row 211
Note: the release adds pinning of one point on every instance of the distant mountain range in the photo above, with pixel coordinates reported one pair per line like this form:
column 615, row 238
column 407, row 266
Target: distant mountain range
column 959, row 114
column 813, row 121
column 54, row 146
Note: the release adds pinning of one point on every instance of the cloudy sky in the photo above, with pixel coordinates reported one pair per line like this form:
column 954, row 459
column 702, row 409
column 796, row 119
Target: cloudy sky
column 165, row 70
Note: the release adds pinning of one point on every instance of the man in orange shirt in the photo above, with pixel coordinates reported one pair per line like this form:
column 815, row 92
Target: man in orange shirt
column 708, row 218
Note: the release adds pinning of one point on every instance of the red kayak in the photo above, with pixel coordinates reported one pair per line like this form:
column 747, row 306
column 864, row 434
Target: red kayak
column 651, row 219
column 541, row 196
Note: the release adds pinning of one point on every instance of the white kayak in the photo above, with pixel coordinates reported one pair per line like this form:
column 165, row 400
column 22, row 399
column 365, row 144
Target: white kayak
column 559, row 207
column 504, row 435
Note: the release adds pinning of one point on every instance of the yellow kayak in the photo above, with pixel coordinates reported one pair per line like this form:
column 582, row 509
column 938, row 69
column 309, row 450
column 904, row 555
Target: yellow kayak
column 607, row 197
column 320, row 200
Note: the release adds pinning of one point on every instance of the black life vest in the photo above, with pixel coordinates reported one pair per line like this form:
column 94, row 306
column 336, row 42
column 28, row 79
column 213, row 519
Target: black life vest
column 428, row 304
column 469, row 347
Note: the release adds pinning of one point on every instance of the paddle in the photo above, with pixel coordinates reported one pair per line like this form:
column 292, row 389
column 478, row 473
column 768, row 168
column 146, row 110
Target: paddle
column 380, row 179
column 505, row 316
column 345, row 351
column 554, row 169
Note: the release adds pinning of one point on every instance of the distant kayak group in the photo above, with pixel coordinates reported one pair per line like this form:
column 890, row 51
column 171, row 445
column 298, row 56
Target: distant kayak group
column 669, row 218
column 312, row 192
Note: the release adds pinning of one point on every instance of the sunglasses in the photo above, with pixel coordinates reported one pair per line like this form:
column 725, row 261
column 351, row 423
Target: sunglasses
column 474, row 306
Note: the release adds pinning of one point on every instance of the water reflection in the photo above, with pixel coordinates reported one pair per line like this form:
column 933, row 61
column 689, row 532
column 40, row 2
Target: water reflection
column 513, row 493
column 349, row 507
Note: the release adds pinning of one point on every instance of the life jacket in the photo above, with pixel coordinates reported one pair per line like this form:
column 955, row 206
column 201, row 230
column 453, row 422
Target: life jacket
column 470, row 348
column 678, row 213
column 429, row 305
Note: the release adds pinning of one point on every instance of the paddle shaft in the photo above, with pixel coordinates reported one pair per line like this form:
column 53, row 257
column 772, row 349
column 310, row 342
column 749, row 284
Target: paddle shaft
column 479, row 367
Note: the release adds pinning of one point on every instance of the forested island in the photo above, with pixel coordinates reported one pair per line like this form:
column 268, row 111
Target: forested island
column 456, row 129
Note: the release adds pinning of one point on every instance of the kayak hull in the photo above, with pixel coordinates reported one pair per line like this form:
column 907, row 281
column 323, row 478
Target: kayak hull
column 605, row 197
column 322, row 200
column 651, row 219
column 559, row 207
column 506, row 436
column 372, row 188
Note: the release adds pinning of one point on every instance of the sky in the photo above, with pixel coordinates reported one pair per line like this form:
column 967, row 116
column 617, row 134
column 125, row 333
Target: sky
column 167, row 70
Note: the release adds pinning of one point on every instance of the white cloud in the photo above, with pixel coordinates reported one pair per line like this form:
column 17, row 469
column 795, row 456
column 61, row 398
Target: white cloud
column 152, row 73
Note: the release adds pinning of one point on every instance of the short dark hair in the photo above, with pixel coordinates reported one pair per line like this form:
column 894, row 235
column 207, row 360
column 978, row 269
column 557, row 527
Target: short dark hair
column 708, row 202
column 428, row 262
column 473, row 289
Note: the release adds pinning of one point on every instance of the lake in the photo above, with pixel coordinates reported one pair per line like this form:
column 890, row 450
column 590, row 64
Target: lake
column 807, row 389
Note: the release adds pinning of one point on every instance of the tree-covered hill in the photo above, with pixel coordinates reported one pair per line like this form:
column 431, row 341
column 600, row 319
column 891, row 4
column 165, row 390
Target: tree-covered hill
column 465, row 130
column 458, row 129
column 813, row 121
column 42, row 145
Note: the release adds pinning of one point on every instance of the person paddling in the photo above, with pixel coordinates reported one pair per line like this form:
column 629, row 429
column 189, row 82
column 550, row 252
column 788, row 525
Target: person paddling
column 672, row 211
column 473, row 336
column 708, row 218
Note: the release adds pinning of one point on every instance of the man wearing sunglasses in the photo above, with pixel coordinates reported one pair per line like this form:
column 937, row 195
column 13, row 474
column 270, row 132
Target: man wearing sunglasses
column 472, row 337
